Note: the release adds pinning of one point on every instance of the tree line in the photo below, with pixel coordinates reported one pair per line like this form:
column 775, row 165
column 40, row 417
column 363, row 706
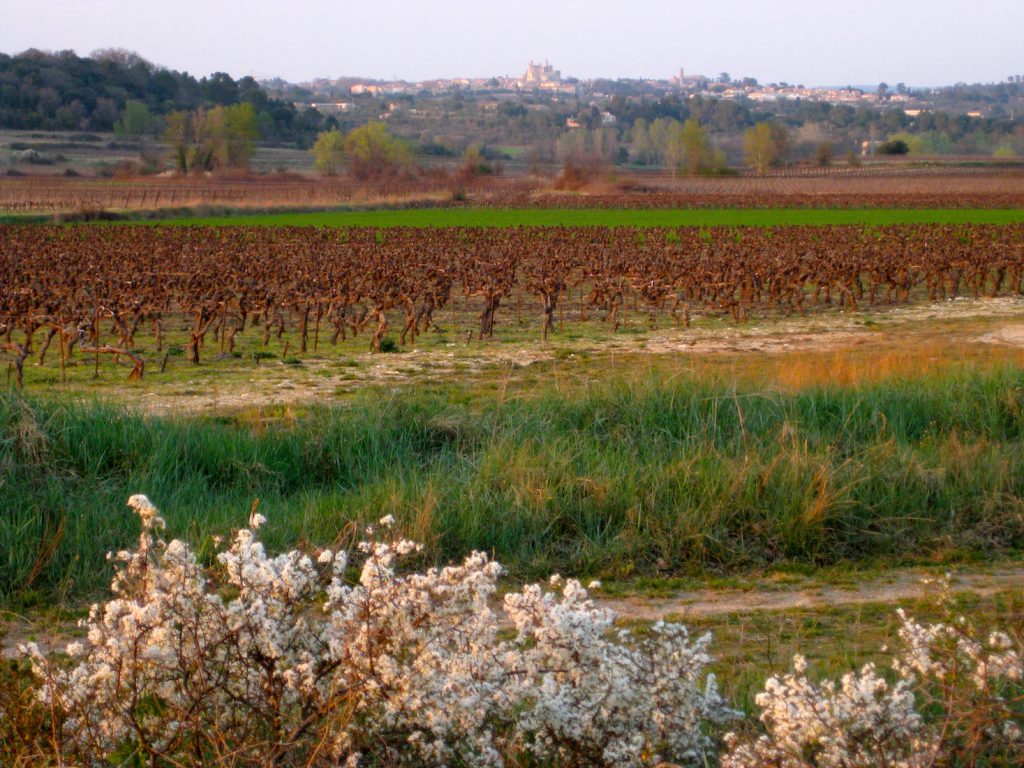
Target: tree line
column 372, row 152
column 211, row 122
column 118, row 90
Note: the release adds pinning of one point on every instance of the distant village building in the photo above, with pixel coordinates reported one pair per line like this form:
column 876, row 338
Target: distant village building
column 687, row 82
column 870, row 146
column 332, row 106
column 541, row 73
column 544, row 77
column 360, row 89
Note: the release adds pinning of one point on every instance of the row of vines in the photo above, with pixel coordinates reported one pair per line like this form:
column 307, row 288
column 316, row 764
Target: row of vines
column 101, row 288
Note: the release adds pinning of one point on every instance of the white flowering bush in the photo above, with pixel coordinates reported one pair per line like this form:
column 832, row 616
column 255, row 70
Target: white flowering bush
column 953, row 697
column 286, row 660
column 597, row 697
column 300, row 660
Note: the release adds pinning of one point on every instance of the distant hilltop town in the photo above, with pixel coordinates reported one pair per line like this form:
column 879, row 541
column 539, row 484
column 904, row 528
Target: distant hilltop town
column 335, row 95
column 544, row 77
column 539, row 77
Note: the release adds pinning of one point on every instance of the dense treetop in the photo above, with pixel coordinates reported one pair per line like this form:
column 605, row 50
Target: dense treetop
column 63, row 91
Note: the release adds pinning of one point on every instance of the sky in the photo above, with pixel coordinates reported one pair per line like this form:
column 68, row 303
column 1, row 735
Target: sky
column 917, row 42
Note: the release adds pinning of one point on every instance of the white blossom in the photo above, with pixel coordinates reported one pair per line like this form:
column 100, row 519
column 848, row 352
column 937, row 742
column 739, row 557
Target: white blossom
column 867, row 719
column 264, row 654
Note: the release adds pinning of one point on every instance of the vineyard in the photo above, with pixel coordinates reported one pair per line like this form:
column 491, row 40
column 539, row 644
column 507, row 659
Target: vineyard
column 100, row 290
column 833, row 188
column 55, row 194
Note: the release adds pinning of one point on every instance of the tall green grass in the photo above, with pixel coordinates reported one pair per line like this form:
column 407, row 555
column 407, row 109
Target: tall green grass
column 628, row 478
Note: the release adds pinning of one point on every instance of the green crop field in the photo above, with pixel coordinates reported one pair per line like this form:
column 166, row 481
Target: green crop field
column 580, row 217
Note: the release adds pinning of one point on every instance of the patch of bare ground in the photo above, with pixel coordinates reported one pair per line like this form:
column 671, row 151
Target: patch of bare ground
column 50, row 634
column 320, row 380
column 894, row 587
column 53, row 633
column 1009, row 334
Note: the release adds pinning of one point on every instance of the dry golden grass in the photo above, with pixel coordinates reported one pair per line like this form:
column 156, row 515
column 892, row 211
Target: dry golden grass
column 855, row 366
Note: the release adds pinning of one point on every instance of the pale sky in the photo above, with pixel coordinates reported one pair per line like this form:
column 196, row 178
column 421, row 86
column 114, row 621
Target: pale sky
column 918, row 42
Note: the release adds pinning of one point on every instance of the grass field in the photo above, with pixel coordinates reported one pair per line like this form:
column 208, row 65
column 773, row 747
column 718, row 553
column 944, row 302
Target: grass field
column 654, row 476
column 711, row 217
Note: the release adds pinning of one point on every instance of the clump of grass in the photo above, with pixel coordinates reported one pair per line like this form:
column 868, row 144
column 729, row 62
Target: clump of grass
column 630, row 478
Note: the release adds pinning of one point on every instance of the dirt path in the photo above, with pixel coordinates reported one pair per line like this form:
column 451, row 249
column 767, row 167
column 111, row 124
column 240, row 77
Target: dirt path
column 906, row 584
column 892, row 588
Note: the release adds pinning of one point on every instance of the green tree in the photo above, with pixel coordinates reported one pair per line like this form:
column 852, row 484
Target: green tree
column 374, row 153
column 661, row 132
column 696, row 149
column 640, row 147
column 894, row 147
column 329, row 152
column 763, row 145
column 1005, row 151
column 136, row 120
column 211, row 140
column 238, row 130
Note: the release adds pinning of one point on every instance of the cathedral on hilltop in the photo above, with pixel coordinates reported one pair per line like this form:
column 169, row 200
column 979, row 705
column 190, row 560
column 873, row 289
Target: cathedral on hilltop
column 541, row 73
